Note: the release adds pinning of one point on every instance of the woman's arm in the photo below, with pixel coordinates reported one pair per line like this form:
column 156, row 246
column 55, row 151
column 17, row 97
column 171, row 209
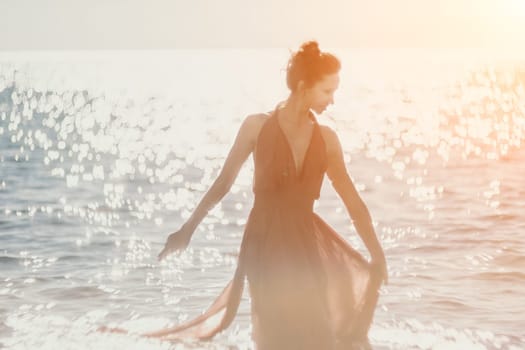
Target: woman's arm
column 241, row 149
column 355, row 206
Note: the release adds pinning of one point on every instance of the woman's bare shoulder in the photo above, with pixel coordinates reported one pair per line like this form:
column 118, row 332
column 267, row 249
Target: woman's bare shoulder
column 252, row 126
column 329, row 135
column 254, row 122
column 257, row 119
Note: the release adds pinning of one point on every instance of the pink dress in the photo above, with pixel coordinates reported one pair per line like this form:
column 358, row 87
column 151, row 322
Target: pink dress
column 309, row 288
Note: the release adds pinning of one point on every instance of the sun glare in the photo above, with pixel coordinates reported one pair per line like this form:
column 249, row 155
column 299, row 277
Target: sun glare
column 514, row 8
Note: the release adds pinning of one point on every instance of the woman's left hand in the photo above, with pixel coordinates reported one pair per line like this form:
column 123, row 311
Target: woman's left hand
column 380, row 269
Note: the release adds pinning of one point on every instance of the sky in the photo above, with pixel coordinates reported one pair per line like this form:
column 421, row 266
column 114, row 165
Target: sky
column 169, row 24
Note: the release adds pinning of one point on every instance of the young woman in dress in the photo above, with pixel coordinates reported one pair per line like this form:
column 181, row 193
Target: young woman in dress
column 309, row 288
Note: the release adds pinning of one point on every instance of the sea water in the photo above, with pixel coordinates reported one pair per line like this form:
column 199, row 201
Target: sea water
column 103, row 154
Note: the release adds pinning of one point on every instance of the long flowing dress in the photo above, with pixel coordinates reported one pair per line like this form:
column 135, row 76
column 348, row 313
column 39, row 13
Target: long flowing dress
column 309, row 288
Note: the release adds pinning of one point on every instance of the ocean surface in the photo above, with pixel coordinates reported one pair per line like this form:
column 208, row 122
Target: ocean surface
column 103, row 154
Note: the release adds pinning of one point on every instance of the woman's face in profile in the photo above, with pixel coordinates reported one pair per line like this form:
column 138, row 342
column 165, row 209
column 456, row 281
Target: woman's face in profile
column 321, row 94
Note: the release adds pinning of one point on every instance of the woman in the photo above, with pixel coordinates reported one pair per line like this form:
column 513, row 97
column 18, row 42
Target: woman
column 309, row 289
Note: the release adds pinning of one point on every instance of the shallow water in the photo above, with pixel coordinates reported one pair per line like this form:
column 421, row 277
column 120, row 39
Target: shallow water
column 102, row 154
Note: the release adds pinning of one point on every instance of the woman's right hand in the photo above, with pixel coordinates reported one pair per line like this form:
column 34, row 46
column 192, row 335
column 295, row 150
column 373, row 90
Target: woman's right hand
column 176, row 241
column 380, row 269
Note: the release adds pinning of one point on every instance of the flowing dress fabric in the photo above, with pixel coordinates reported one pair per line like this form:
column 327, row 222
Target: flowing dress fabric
column 309, row 288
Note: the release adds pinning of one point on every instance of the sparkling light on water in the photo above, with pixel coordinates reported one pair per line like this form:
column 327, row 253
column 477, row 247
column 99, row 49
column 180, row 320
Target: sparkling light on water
column 101, row 160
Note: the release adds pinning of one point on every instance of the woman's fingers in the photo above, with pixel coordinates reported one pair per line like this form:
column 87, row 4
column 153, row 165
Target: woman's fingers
column 168, row 249
column 380, row 270
column 177, row 241
column 162, row 254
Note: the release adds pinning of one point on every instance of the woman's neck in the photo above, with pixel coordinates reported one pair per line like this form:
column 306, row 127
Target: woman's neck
column 294, row 112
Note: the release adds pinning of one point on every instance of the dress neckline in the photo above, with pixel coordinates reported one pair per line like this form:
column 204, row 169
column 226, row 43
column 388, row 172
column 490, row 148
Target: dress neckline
column 298, row 172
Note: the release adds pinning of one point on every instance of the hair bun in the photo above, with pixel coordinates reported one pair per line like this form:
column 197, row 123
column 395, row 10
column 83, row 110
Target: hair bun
column 310, row 49
column 309, row 64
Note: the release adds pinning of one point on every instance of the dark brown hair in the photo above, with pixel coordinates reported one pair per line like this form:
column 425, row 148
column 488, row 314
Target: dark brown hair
column 310, row 65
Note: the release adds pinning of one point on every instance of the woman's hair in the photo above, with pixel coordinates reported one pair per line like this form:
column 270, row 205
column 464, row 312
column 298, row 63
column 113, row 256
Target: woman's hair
column 310, row 65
